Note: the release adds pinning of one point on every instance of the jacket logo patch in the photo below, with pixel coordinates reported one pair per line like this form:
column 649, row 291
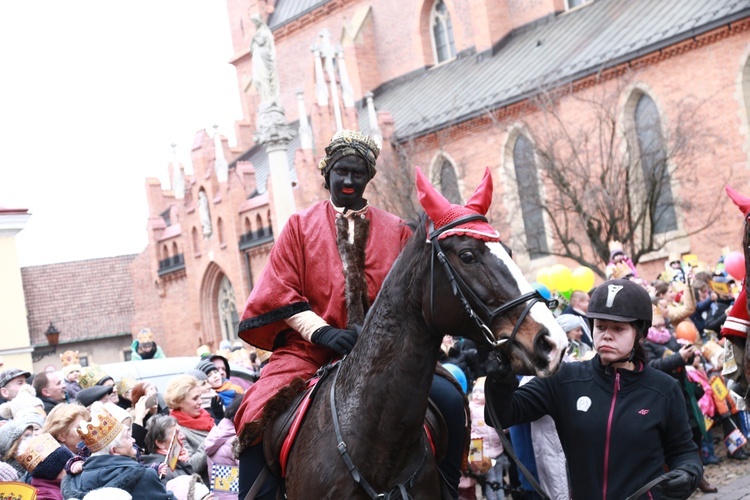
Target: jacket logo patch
column 644, row 411
column 583, row 403
column 612, row 291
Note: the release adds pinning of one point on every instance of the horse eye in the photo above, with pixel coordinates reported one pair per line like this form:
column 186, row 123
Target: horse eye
column 467, row 256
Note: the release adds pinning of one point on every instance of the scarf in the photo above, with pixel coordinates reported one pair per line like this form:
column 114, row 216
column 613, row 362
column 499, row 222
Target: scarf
column 658, row 335
column 203, row 422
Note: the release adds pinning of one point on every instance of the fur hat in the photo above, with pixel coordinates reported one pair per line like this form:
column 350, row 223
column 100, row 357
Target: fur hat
column 91, row 376
column 107, row 494
column 22, row 403
column 7, row 473
column 187, row 487
column 90, row 395
column 44, row 457
column 101, row 430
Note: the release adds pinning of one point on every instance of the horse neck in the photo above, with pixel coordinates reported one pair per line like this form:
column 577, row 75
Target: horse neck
column 390, row 372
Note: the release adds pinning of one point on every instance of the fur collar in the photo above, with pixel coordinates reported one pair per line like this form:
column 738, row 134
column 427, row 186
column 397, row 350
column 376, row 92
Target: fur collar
column 353, row 258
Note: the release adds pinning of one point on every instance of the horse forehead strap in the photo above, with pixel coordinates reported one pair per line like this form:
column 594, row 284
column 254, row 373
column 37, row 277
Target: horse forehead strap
column 742, row 202
column 443, row 212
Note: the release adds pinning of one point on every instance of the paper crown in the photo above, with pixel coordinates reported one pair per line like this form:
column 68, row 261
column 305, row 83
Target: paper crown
column 145, row 336
column 37, row 449
column 69, row 358
column 90, row 376
column 443, row 212
column 621, row 270
column 103, row 428
column 124, row 385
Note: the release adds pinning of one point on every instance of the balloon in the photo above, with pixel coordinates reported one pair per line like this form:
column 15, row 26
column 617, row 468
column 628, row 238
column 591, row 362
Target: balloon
column 567, row 294
column 583, row 279
column 542, row 289
column 686, row 330
column 562, row 278
column 458, row 374
column 734, row 263
column 544, row 276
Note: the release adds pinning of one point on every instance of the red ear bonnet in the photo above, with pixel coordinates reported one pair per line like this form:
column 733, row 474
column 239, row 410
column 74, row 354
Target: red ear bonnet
column 742, row 202
column 443, row 212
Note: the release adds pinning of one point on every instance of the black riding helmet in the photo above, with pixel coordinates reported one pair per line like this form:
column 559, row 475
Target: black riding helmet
column 621, row 300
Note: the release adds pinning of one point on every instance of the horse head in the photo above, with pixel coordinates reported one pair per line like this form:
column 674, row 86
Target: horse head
column 497, row 306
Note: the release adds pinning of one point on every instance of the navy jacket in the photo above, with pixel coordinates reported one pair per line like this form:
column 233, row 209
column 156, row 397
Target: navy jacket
column 115, row 471
column 617, row 427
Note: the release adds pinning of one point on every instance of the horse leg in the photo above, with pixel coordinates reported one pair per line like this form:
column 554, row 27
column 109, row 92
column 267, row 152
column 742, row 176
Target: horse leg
column 252, row 461
column 450, row 402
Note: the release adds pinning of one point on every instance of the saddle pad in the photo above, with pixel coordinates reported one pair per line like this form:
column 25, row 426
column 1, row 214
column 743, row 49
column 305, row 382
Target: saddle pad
column 225, row 478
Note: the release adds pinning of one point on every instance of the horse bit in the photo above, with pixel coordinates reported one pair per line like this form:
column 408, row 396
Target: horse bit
column 461, row 290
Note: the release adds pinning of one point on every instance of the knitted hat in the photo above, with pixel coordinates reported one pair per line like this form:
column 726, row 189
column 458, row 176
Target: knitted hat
column 102, row 430
column 22, row 403
column 205, row 366
column 569, row 322
column 9, row 375
column 107, row 494
column 442, row 212
column 8, row 435
column 7, row 473
column 70, row 363
column 91, row 376
column 187, row 487
column 145, row 336
column 199, row 375
column 88, row 396
column 44, row 457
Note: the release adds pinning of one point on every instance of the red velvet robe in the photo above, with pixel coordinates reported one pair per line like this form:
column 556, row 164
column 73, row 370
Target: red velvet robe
column 305, row 272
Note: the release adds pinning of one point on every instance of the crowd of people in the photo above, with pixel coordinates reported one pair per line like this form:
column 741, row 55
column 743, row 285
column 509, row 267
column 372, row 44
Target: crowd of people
column 645, row 384
column 78, row 433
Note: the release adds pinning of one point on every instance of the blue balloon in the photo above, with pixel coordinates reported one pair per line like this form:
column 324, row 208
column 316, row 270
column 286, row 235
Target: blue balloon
column 543, row 290
column 458, row 374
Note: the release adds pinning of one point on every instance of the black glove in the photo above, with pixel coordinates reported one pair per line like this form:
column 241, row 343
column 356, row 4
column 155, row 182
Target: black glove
column 678, row 484
column 500, row 373
column 217, row 407
column 341, row 341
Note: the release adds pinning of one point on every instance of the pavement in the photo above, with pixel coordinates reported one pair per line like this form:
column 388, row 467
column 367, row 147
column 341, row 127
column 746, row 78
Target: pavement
column 733, row 490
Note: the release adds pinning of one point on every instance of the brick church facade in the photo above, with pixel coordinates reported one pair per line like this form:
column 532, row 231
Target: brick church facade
column 446, row 85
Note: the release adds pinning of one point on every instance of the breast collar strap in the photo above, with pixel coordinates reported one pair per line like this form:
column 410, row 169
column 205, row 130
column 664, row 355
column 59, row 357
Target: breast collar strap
column 461, row 290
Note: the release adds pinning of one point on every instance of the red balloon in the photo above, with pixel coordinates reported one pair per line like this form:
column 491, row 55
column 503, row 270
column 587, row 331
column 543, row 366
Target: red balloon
column 734, row 263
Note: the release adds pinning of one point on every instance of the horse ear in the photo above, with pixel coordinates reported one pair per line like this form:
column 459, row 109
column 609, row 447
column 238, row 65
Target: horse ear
column 482, row 197
column 435, row 205
column 742, row 202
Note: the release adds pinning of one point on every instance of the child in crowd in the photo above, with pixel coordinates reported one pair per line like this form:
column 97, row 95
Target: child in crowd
column 494, row 463
column 225, row 389
column 222, row 466
column 44, row 458
column 71, row 369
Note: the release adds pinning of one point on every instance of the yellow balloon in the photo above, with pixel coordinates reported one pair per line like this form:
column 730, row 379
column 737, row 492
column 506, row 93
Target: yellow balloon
column 583, row 278
column 562, row 279
column 544, row 276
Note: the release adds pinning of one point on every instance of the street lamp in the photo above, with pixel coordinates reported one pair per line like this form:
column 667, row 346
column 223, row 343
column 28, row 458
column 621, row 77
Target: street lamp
column 53, row 339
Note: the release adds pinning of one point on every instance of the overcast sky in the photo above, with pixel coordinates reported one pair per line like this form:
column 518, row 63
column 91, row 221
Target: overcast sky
column 93, row 94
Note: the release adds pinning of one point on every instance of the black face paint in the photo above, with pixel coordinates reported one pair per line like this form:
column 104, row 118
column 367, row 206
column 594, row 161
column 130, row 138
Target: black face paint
column 347, row 180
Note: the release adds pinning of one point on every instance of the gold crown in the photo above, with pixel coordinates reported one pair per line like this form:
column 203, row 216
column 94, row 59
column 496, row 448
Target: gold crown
column 145, row 336
column 69, row 358
column 37, row 449
column 101, row 430
column 90, row 376
column 621, row 270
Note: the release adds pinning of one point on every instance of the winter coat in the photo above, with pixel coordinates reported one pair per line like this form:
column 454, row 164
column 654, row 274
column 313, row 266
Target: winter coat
column 47, row 489
column 219, row 451
column 618, row 427
column 195, row 444
column 115, row 471
column 182, row 468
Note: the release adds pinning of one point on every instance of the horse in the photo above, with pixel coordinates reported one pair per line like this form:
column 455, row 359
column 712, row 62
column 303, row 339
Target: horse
column 363, row 434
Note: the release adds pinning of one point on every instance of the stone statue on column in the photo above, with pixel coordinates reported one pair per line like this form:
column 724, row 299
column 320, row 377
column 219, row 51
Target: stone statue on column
column 265, row 75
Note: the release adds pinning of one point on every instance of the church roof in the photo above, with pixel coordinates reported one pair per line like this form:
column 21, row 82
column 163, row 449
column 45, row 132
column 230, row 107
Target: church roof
column 554, row 50
column 259, row 159
column 286, row 11
column 86, row 299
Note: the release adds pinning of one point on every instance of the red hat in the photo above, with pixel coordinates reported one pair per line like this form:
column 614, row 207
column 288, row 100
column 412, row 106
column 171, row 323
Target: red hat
column 742, row 202
column 443, row 212
column 737, row 323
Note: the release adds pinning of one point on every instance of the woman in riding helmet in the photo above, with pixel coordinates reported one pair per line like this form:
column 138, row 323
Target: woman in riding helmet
column 619, row 420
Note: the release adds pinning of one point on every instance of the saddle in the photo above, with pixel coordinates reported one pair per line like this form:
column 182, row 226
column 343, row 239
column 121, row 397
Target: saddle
column 279, row 435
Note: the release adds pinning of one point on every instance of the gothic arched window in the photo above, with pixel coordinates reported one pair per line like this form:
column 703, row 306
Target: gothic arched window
column 529, row 196
column 449, row 182
column 442, row 32
column 654, row 165
column 228, row 317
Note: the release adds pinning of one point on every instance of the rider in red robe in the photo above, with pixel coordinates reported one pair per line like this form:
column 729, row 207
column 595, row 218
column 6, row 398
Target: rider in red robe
column 324, row 271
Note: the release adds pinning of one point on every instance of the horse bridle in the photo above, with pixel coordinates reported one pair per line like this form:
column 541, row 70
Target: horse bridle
column 461, row 290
